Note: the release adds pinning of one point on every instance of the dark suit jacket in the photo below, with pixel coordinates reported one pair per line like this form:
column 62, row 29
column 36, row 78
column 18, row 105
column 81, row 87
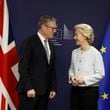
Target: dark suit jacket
column 35, row 72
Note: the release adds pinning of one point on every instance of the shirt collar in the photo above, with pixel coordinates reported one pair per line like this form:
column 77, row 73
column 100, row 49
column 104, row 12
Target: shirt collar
column 41, row 37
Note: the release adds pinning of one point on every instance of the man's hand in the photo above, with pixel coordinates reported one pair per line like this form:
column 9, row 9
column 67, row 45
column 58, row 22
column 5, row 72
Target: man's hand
column 52, row 94
column 31, row 93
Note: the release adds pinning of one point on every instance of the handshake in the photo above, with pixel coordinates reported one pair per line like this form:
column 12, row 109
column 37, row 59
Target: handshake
column 76, row 80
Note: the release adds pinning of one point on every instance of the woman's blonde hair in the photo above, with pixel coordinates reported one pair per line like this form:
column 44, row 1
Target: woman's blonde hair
column 86, row 30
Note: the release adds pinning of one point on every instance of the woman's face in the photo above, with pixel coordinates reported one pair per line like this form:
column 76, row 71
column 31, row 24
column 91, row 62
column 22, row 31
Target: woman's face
column 79, row 38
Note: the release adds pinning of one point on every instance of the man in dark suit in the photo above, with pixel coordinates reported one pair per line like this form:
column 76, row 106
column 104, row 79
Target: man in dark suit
column 37, row 81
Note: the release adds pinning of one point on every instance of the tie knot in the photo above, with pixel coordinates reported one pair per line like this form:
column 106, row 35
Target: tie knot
column 45, row 40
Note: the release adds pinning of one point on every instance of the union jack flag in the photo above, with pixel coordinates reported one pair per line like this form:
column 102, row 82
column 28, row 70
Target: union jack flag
column 8, row 62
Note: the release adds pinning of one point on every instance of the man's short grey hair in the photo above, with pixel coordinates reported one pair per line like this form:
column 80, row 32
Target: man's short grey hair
column 86, row 30
column 45, row 19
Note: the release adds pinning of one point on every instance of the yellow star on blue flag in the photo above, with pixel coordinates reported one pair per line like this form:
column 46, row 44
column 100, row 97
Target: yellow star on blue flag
column 103, row 49
column 105, row 96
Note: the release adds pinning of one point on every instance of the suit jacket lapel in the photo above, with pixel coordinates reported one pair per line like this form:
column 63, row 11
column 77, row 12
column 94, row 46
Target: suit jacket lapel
column 41, row 47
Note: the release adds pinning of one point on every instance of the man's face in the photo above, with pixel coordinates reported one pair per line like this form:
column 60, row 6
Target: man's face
column 49, row 29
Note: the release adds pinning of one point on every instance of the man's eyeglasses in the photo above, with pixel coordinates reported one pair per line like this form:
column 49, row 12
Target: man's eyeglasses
column 53, row 28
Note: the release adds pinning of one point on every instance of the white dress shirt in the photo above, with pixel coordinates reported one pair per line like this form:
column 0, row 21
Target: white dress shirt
column 88, row 65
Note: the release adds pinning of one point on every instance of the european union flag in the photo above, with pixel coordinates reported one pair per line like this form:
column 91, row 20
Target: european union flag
column 104, row 99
